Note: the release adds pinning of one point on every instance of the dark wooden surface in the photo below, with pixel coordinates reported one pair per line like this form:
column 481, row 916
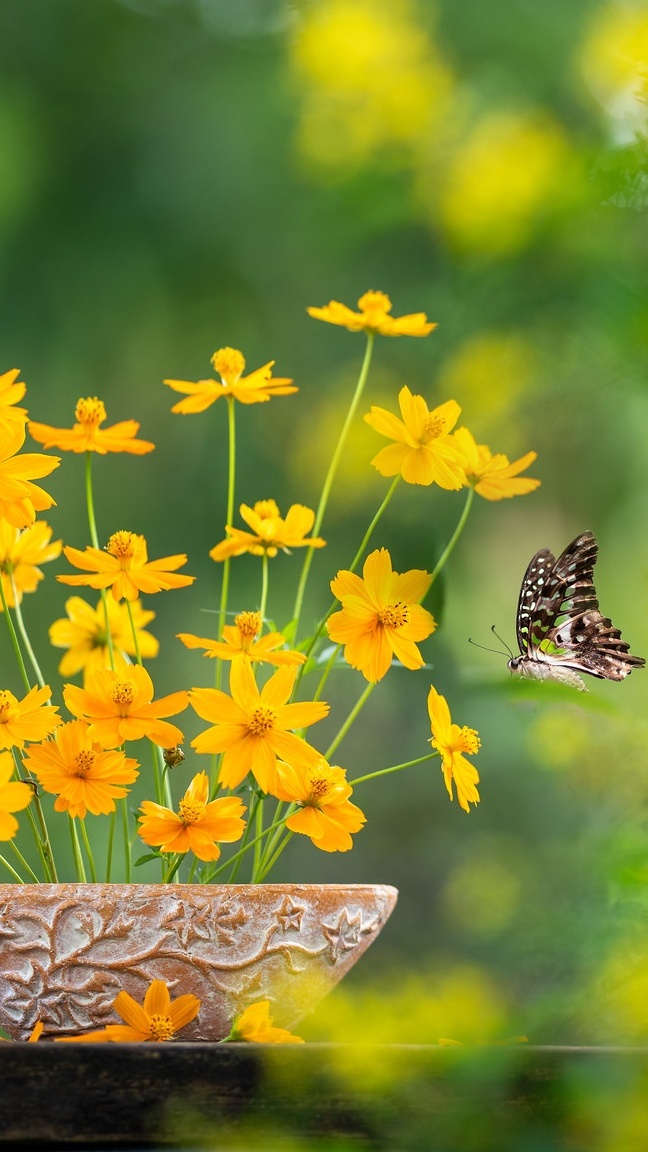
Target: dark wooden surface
column 514, row 1098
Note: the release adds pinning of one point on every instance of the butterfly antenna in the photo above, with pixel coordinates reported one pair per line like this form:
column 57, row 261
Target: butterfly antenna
column 497, row 651
column 501, row 640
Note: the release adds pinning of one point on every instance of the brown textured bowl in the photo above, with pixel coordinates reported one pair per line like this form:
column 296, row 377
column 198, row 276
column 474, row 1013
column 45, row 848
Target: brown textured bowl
column 66, row 950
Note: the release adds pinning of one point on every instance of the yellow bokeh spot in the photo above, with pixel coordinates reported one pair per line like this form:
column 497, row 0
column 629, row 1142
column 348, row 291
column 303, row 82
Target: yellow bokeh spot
column 614, row 53
column 481, row 896
column 490, row 371
column 502, row 180
column 371, row 77
column 559, row 737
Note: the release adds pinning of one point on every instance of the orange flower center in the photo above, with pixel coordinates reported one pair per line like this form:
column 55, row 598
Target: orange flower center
column 190, row 811
column 122, row 545
column 8, row 706
column 394, row 615
column 248, row 624
column 434, row 427
column 261, row 721
column 469, row 740
column 229, row 363
column 83, row 762
column 374, row 305
column 161, row 1028
column 90, row 412
column 123, row 694
column 267, row 509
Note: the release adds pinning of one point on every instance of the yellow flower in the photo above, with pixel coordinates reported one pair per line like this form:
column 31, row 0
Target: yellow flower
column 119, row 706
column 423, row 452
column 252, row 728
column 381, row 617
column 230, row 364
column 124, row 568
column 27, row 719
column 374, row 316
column 270, row 531
column 20, row 499
column 21, row 551
column 325, row 811
column 254, row 1024
column 83, row 777
column 493, row 477
column 198, row 824
column 14, row 796
column 11, row 391
column 83, row 632
column 240, row 640
column 158, row 1019
column 451, row 742
column 87, row 436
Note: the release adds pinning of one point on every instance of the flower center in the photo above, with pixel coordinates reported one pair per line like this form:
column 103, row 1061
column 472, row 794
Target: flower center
column 8, row 706
column 434, row 427
column 266, row 509
column 160, row 1028
column 261, row 721
column 394, row 615
column 229, row 363
column 248, row 624
column 90, row 412
column 322, row 780
column 122, row 545
column 123, row 694
column 190, row 811
column 83, row 762
column 469, row 740
column 374, row 305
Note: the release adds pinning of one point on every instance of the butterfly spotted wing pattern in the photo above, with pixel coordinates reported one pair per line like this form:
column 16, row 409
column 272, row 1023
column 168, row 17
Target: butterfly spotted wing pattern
column 560, row 628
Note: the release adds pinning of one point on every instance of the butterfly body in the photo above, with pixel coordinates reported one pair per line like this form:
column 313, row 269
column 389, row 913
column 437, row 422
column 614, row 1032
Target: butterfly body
column 560, row 629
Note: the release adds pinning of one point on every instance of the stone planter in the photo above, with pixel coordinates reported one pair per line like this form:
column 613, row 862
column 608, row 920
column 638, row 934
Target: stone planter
column 66, row 950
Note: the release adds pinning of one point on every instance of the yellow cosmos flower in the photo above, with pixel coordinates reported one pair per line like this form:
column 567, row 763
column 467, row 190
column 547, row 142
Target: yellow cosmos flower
column 325, row 811
column 255, row 1025
column 253, row 728
column 424, row 451
column 20, row 554
column 230, row 365
column 157, row 1019
column 451, row 742
column 119, row 706
column 240, row 640
column 87, row 436
column 124, row 567
column 374, row 316
column 27, row 719
column 14, row 796
column 83, row 632
column 11, row 391
column 20, row 499
column 493, row 477
column 381, row 617
column 198, row 824
column 270, row 531
column 82, row 775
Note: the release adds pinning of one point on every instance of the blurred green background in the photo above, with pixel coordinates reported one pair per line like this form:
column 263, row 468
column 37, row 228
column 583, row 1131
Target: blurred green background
column 179, row 175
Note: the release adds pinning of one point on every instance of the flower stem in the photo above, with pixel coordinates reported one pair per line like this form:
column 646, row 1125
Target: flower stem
column 275, row 856
column 349, row 720
column 264, row 585
column 394, row 768
column 449, row 548
column 94, row 537
column 24, row 863
column 229, row 519
column 25, row 638
column 131, row 620
column 17, row 878
column 111, row 842
column 14, row 637
column 329, row 478
column 76, row 849
column 86, row 845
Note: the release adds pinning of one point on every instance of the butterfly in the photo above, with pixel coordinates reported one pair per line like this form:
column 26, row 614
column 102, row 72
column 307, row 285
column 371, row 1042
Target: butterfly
column 560, row 629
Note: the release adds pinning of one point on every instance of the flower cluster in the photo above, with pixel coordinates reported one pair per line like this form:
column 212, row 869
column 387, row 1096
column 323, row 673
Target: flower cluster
column 260, row 776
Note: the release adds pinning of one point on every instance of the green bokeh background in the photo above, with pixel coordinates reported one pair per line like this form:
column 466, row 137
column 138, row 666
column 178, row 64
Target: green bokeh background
column 163, row 194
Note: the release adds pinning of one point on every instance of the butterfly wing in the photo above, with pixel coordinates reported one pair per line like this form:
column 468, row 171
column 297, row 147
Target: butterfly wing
column 559, row 620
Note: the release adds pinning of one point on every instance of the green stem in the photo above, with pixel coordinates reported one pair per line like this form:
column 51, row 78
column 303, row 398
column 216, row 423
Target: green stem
column 269, row 865
column 76, row 849
column 111, row 842
column 24, row 863
column 242, row 851
column 14, row 638
column 94, row 538
column 264, row 585
column 229, row 520
column 131, row 620
column 394, row 768
column 330, row 664
column 25, row 637
column 445, row 555
column 38, row 825
column 349, row 720
column 127, row 852
column 17, row 878
column 173, row 868
column 329, row 478
column 86, row 845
